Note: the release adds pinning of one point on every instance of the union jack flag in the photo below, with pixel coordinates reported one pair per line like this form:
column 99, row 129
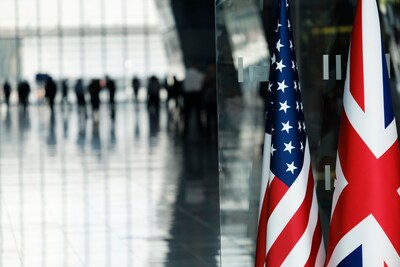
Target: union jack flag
column 365, row 217
column 289, row 231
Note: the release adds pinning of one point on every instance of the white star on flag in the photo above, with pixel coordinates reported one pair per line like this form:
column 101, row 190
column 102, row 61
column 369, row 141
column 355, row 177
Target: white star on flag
column 284, row 106
column 291, row 167
column 279, row 45
column 288, row 147
column 286, row 126
column 279, row 25
column 272, row 149
column 280, row 65
column 282, row 86
column 273, row 59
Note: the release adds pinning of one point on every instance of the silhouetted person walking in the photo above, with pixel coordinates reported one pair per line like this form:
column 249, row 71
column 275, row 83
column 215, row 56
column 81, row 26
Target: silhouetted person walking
column 50, row 92
column 176, row 91
column 7, row 92
column 110, row 84
column 136, row 86
column 80, row 98
column 94, row 91
column 24, row 90
column 153, row 93
column 64, row 91
column 192, row 86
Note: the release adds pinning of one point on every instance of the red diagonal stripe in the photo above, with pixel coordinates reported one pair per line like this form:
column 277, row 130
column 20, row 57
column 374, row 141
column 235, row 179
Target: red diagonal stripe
column 293, row 230
column 356, row 60
column 372, row 188
column 277, row 191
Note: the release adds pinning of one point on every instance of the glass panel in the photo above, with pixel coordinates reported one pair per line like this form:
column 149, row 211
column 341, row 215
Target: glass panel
column 48, row 13
column 27, row 14
column 7, row 14
column 113, row 12
column 135, row 12
column 72, row 65
column 50, row 56
column 92, row 13
column 114, row 56
column 30, row 58
column 70, row 16
column 93, row 57
column 322, row 35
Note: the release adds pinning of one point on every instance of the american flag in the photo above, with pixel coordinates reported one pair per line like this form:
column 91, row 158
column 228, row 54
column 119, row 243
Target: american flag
column 289, row 231
column 365, row 219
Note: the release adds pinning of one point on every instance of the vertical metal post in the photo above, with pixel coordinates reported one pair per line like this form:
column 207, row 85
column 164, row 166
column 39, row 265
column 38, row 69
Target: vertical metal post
column 146, row 39
column 39, row 35
column 17, row 42
column 60, row 42
column 103, row 37
column 124, row 41
column 82, row 38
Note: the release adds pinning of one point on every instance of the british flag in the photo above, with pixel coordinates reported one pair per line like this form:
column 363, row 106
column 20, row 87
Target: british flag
column 365, row 217
column 289, row 231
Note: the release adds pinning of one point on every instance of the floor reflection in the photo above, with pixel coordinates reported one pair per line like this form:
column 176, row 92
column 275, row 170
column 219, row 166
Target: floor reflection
column 119, row 193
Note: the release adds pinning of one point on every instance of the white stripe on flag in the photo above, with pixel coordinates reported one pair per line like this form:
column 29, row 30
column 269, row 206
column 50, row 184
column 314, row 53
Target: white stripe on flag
column 301, row 251
column 340, row 183
column 320, row 261
column 290, row 203
column 370, row 124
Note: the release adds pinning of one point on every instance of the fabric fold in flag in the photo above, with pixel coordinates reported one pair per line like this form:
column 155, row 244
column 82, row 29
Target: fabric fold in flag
column 365, row 219
column 289, row 228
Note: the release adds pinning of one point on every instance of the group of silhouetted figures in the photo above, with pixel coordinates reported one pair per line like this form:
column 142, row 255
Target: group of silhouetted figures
column 192, row 100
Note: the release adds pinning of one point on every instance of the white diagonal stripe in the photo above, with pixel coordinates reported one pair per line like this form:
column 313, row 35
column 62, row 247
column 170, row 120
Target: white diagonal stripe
column 298, row 256
column 320, row 261
column 290, row 203
column 340, row 184
column 376, row 246
column 370, row 125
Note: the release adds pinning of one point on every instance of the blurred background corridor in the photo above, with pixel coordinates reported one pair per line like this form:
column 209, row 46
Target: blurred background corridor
column 108, row 133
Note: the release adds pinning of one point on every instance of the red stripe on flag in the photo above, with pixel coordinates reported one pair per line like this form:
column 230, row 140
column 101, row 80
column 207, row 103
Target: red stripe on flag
column 356, row 59
column 293, row 230
column 316, row 243
column 277, row 190
column 372, row 188
column 273, row 195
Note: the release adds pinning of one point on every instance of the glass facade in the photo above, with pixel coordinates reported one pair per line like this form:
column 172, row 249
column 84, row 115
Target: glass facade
column 89, row 39
column 321, row 36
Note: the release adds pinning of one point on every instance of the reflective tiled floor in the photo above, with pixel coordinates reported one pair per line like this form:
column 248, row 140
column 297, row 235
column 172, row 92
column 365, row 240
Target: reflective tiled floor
column 129, row 193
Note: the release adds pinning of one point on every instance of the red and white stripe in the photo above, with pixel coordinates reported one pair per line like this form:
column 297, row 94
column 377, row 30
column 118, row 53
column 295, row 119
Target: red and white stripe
column 366, row 203
column 289, row 227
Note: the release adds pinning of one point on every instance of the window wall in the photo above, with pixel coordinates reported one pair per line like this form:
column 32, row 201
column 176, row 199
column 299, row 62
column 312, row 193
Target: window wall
column 69, row 39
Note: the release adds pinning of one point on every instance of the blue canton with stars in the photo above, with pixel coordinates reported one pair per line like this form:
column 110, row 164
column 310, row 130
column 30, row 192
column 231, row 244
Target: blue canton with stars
column 285, row 118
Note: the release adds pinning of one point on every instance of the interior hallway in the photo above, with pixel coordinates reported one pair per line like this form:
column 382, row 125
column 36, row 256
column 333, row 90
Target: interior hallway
column 129, row 193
